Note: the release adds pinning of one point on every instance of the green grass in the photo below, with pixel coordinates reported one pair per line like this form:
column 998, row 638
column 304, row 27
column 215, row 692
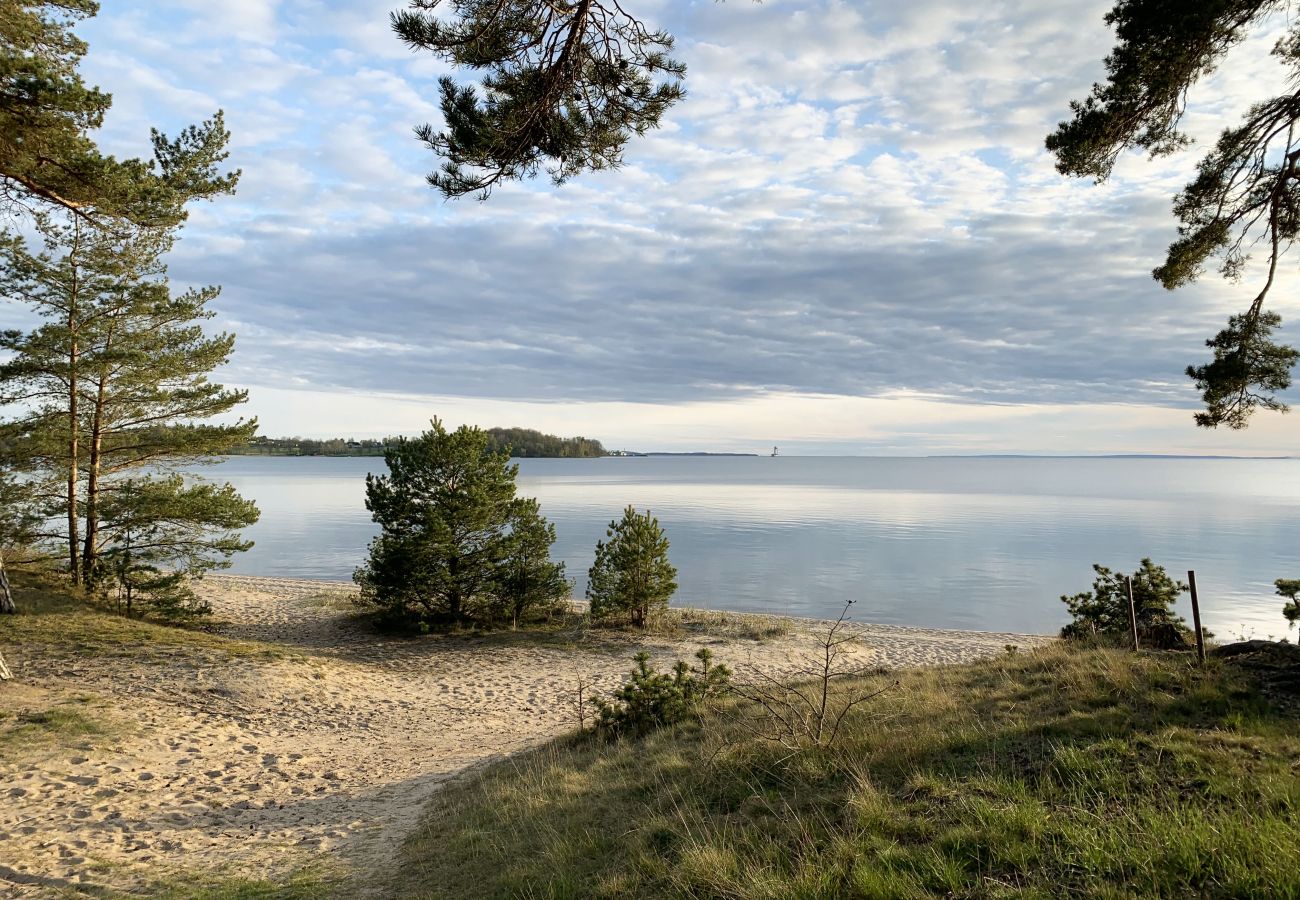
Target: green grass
column 52, row 618
column 27, row 731
column 1053, row 773
column 308, row 884
column 570, row 626
column 719, row 624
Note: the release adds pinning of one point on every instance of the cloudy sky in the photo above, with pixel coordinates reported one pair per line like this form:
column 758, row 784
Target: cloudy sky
column 847, row 239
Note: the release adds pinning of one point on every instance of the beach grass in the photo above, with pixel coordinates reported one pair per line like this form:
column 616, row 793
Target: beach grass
column 41, row 725
column 1056, row 772
column 570, row 625
column 309, row 883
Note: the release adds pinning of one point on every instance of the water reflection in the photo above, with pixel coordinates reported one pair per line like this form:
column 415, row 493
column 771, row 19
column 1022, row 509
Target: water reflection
column 984, row 544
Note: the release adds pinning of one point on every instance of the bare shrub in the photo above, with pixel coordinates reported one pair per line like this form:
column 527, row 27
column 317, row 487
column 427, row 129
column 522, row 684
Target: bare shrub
column 798, row 713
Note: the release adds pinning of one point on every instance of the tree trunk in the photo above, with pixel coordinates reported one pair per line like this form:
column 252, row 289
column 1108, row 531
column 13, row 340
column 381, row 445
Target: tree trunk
column 453, row 592
column 5, row 674
column 6, row 595
column 74, row 550
column 90, row 550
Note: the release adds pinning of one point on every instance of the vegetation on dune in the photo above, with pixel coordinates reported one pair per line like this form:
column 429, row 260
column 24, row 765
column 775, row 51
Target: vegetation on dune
column 1290, row 589
column 649, row 699
column 456, row 544
column 1062, row 771
column 310, row 883
column 1104, row 611
column 109, row 396
column 55, row 620
column 30, row 731
column 631, row 577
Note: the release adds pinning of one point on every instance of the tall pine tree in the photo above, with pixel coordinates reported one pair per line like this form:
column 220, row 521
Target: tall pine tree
column 66, row 285
column 115, row 384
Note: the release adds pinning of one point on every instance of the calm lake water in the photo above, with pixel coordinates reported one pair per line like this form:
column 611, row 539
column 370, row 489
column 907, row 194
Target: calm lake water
column 985, row 544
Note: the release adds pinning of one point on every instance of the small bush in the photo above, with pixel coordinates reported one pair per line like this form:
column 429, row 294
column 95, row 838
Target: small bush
column 631, row 576
column 1104, row 611
column 1290, row 589
column 651, row 699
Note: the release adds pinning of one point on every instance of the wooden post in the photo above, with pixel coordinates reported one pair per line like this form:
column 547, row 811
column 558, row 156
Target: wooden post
column 1196, row 617
column 1132, row 610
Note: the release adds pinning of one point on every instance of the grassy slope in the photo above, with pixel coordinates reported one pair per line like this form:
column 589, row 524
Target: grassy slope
column 59, row 623
column 1049, row 774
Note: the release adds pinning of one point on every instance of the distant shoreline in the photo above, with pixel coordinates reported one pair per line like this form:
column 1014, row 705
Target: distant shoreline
column 698, row 454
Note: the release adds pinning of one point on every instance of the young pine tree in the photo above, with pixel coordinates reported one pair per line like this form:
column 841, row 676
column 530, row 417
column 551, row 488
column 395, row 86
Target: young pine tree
column 159, row 533
column 1290, row 589
column 444, row 511
column 527, row 580
column 631, row 576
column 1105, row 609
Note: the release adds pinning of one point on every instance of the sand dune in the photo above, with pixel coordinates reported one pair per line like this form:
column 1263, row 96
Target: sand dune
column 325, row 754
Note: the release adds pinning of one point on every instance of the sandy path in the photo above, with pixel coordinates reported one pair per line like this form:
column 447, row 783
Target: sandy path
column 324, row 757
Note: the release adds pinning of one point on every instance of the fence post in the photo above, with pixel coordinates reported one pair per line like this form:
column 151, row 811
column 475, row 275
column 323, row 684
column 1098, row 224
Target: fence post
column 1196, row 617
column 1132, row 609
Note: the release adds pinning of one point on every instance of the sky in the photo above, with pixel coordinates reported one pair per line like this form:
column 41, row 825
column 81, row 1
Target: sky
column 848, row 239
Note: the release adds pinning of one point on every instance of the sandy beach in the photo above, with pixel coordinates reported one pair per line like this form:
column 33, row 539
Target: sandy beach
column 325, row 752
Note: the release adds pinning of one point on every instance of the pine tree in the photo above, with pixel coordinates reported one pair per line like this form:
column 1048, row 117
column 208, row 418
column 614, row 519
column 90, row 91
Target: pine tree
column 444, row 511
column 1290, row 589
column 1246, row 193
column 527, row 579
column 44, row 375
column 47, row 114
column 148, row 391
column 565, row 85
column 631, row 575
column 1105, row 609
column 160, row 533
column 115, row 380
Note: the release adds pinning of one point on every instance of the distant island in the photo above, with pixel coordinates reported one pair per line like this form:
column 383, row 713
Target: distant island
column 660, row 453
column 522, row 442
column 528, row 443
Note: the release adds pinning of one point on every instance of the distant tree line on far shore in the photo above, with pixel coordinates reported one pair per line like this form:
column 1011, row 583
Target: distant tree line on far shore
column 297, row 446
column 525, row 442
column 521, row 442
